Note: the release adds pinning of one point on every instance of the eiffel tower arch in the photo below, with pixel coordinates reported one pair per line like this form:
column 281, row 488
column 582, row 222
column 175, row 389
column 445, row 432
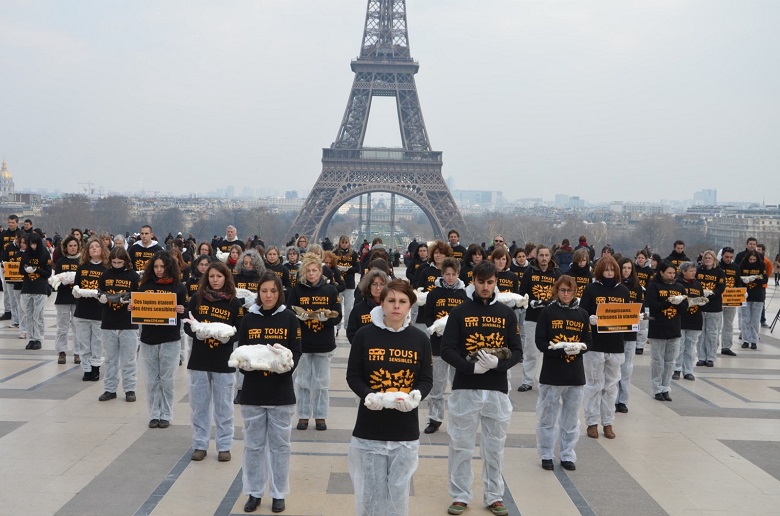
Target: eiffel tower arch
column 385, row 69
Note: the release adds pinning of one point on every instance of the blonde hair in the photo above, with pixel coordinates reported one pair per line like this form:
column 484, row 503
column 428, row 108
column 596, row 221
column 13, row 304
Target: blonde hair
column 306, row 260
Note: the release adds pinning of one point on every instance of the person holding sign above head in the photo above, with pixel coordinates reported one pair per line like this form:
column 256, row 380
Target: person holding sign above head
column 119, row 334
column 666, row 300
column 390, row 369
column 561, row 381
column 267, row 398
column 89, row 311
column 607, row 352
column 211, row 379
column 160, row 342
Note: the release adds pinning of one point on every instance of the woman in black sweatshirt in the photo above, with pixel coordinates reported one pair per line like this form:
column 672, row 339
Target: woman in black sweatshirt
column 387, row 356
column 753, row 268
column 36, row 270
column 607, row 353
column 160, row 343
column 690, row 323
column 211, row 379
column 666, row 300
column 318, row 341
column 89, row 312
column 636, row 295
column 65, row 303
column 563, row 375
column 120, row 335
column 267, row 398
column 370, row 286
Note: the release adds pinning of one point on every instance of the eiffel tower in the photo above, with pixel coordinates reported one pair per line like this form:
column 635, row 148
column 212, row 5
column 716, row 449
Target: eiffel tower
column 384, row 68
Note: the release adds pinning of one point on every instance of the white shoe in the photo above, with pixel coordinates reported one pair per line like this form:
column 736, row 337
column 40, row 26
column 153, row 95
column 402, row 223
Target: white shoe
column 23, row 335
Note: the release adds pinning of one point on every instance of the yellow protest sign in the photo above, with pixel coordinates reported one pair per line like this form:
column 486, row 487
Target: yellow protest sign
column 618, row 317
column 157, row 308
column 734, row 296
column 12, row 272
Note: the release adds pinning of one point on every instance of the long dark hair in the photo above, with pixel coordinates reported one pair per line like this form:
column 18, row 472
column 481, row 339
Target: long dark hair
column 119, row 253
column 273, row 277
column 632, row 281
column 170, row 265
column 229, row 288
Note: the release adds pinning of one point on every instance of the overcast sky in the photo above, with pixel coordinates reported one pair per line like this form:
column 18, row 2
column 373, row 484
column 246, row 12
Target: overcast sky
column 629, row 100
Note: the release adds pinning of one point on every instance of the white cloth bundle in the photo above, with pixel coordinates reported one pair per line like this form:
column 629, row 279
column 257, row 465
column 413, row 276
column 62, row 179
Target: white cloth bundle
column 262, row 357
column 571, row 348
column 248, row 296
column 749, row 279
column 212, row 330
column 422, row 295
column 697, row 301
column 222, row 257
column 513, row 300
column 79, row 292
column 676, row 300
column 396, row 400
column 63, row 278
column 343, row 268
column 708, row 292
column 437, row 328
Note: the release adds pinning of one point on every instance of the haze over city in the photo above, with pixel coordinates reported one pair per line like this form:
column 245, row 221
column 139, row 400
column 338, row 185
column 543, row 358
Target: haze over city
column 638, row 100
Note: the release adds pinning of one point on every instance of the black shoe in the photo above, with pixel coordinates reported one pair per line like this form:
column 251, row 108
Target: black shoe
column 130, row 396
column 548, row 464
column 107, row 396
column 154, row 423
column 667, row 396
column 30, row 345
column 164, row 423
column 36, row 344
column 87, row 377
column 568, row 465
column 238, row 395
column 251, row 504
column 753, row 346
column 303, row 424
column 764, row 325
column 689, row 376
column 621, row 407
column 337, row 332
column 95, row 374
column 701, row 363
column 432, row 426
column 319, row 424
column 659, row 397
column 277, row 505
column 745, row 345
column 728, row 352
column 639, row 351
column 524, row 388
column 6, row 316
column 710, row 363
column 676, row 374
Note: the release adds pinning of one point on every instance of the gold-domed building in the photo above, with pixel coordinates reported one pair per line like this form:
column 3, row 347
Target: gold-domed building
column 6, row 182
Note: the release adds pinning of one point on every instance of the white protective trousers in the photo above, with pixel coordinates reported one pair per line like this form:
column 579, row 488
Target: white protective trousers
column 13, row 297
column 602, row 374
column 89, row 343
column 160, row 363
column 727, row 331
column 267, row 450
column 558, row 419
column 347, row 302
column 664, row 353
column 312, row 381
column 33, row 312
column 710, row 335
column 530, row 353
column 686, row 357
column 65, row 322
column 467, row 409
column 381, row 473
column 209, row 389
column 626, row 371
column 750, row 321
column 442, row 373
column 120, row 347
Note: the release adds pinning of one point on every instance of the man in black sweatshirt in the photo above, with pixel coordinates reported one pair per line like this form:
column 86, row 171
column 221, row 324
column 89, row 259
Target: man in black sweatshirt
column 479, row 389
column 8, row 236
column 677, row 257
column 731, row 276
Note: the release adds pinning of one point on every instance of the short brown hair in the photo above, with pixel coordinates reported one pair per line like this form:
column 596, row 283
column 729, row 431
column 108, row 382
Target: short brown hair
column 450, row 263
column 401, row 286
column 564, row 280
column 602, row 264
column 440, row 246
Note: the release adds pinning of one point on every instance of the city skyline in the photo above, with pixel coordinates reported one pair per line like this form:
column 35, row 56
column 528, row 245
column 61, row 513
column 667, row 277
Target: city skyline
column 661, row 98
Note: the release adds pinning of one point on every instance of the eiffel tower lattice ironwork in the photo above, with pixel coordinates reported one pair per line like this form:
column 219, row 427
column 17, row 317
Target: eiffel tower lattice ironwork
column 384, row 68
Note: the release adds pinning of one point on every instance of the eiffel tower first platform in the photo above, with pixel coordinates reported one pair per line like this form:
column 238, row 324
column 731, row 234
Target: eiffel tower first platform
column 386, row 69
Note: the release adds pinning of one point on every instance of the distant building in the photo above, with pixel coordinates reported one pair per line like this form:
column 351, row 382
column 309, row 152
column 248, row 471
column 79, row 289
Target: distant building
column 484, row 198
column 706, row 197
column 6, row 182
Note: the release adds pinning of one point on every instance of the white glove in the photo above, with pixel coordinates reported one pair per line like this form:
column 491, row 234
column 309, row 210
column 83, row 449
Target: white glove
column 304, row 316
column 29, row 269
column 322, row 317
column 642, row 316
column 708, row 292
column 479, row 368
column 698, row 301
column 103, row 299
column 676, row 300
column 373, row 401
column 486, row 359
column 536, row 303
column 406, row 405
column 572, row 349
column 343, row 268
column 748, row 279
column 593, row 320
